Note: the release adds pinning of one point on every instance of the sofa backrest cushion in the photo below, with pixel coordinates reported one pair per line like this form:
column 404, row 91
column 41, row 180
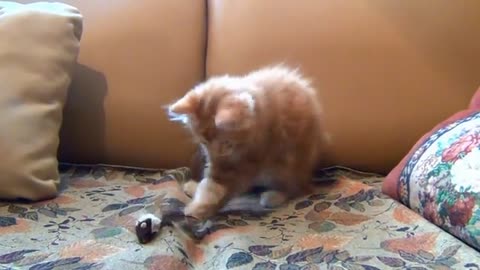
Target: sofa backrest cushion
column 386, row 71
column 135, row 57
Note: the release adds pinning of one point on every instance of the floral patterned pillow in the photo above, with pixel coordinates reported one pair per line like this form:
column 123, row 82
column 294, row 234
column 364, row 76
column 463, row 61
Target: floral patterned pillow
column 440, row 177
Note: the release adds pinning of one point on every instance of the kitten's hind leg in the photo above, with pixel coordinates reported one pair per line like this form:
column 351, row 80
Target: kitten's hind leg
column 294, row 185
column 273, row 199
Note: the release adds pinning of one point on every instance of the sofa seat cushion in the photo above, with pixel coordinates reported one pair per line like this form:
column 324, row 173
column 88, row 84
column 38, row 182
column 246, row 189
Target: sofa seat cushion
column 346, row 222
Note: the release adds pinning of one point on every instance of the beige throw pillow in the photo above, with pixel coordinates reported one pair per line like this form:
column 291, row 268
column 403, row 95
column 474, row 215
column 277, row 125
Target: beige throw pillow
column 39, row 44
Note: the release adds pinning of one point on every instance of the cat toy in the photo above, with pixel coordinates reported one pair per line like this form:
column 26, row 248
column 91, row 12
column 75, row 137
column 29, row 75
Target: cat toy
column 149, row 225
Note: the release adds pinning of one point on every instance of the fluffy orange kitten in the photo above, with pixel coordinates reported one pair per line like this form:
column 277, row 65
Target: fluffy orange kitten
column 261, row 129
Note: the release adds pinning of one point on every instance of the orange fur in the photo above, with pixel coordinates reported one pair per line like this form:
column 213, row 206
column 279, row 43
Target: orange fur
column 263, row 128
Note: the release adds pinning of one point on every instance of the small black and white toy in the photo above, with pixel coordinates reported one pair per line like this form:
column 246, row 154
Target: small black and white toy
column 149, row 225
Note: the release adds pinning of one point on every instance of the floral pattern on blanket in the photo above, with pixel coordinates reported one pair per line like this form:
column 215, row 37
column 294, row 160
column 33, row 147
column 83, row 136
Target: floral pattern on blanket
column 442, row 179
column 346, row 223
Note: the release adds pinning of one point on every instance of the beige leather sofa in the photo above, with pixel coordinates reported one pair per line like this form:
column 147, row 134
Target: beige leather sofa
column 376, row 65
column 386, row 72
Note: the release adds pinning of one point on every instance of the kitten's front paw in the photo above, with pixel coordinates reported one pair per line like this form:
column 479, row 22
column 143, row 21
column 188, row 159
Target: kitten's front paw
column 273, row 199
column 147, row 227
column 199, row 211
column 190, row 187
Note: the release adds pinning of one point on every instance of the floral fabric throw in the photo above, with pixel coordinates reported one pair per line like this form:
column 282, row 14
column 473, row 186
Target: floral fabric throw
column 345, row 223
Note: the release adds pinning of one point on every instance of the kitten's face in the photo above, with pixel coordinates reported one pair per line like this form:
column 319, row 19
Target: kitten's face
column 219, row 116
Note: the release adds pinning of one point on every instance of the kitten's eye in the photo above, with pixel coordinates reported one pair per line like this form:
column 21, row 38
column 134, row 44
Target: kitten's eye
column 227, row 144
column 226, row 147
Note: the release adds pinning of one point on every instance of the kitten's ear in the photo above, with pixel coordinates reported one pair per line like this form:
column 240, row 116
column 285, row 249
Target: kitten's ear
column 237, row 114
column 226, row 119
column 186, row 105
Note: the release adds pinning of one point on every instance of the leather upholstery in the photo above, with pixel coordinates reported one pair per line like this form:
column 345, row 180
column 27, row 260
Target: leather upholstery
column 387, row 71
column 135, row 57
